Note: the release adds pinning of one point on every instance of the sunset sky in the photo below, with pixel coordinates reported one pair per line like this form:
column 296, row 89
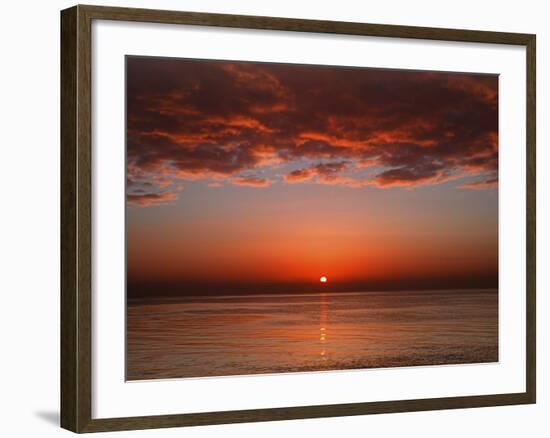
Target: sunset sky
column 262, row 177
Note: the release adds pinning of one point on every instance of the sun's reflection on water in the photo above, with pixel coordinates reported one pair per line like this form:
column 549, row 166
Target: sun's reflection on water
column 323, row 319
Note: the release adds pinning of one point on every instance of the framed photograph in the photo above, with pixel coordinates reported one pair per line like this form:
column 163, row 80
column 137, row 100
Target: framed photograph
column 269, row 218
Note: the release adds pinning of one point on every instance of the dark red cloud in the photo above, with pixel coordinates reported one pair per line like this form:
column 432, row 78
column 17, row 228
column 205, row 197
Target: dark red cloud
column 251, row 181
column 325, row 172
column 148, row 199
column 193, row 119
column 490, row 183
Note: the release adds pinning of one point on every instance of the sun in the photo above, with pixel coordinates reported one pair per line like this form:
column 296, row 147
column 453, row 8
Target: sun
column 323, row 279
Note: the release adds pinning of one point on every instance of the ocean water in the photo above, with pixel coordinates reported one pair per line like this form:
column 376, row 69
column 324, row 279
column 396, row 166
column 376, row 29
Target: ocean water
column 251, row 334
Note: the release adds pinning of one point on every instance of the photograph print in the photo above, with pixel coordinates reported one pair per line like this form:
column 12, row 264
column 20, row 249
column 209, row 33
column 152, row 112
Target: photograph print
column 299, row 218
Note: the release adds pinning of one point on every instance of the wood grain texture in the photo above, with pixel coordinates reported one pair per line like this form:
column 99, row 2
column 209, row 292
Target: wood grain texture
column 69, row 325
column 531, row 305
column 76, row 186
column 76, row 221
column 299, row 25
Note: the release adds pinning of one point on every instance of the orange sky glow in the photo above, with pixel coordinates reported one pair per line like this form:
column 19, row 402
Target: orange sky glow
column 257, row 177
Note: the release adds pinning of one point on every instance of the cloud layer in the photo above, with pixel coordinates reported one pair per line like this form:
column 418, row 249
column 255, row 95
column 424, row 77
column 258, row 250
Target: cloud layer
column 258, row 124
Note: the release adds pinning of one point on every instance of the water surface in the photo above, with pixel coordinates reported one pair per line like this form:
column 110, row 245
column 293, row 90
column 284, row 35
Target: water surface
column 250, row 334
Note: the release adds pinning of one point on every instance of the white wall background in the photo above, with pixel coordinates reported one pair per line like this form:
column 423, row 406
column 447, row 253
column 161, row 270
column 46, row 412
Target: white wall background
column 29, row 217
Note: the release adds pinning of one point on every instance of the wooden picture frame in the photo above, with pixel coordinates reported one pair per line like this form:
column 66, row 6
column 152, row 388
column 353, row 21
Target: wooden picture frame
column 76, row 218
